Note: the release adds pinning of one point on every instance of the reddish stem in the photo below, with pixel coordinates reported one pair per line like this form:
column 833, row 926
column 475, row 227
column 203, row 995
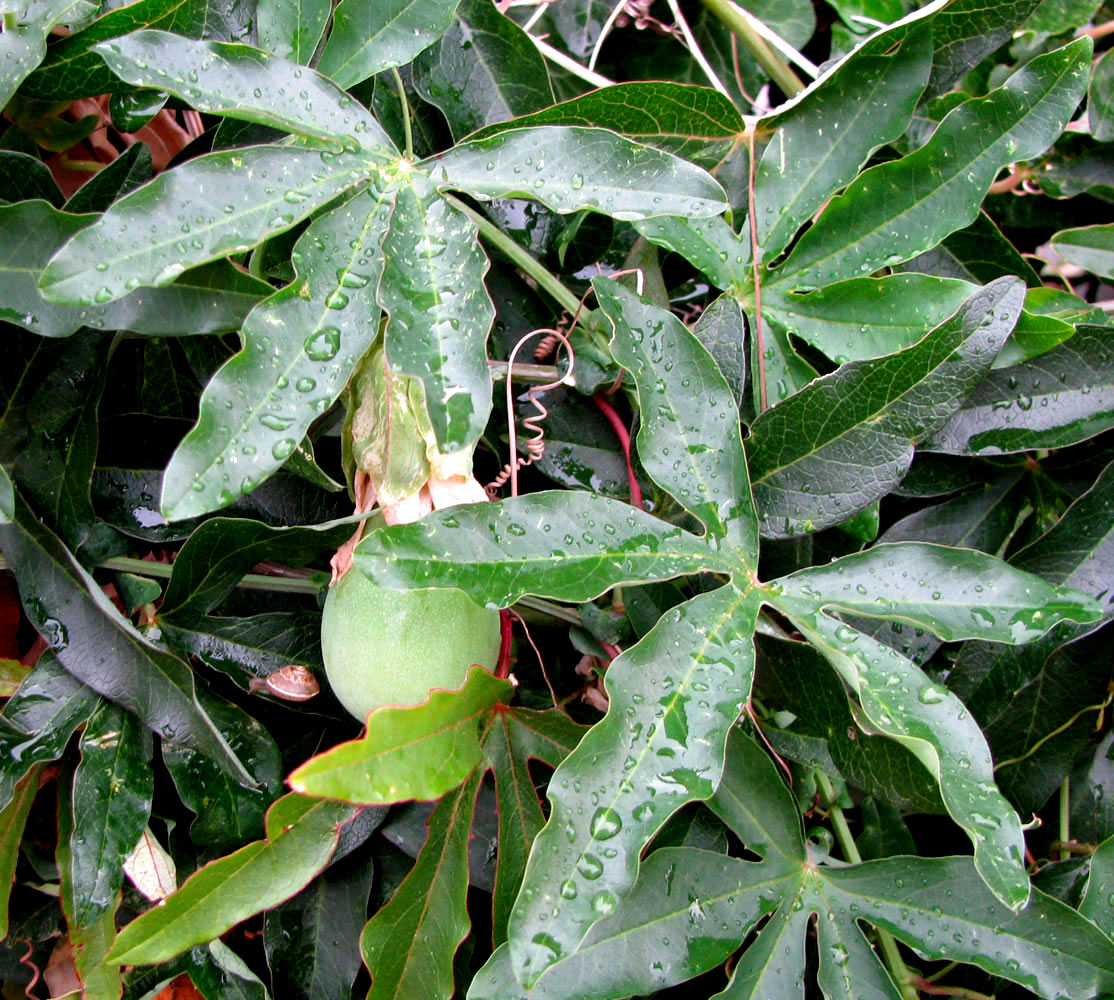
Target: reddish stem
column 623, row 435
column 506, row 633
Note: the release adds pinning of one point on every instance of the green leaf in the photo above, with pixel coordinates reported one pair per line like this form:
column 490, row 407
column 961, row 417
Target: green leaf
column 847, row 439
column 1100, row 99
column 13, row 820
column 1090, row 247
column 100, row 647
column 24, row 178
column 570, row 168
column 673, row 699
column 210, row 300
column 688, row 439
column 956, row 593
column 292, row 30
column 312, row 940
column 709, row 244
column 965, row 32
column 408, row 753
column 866, row 317
column 23, row 43
column 439, row 312
column 313, row 332
column 483, row 69
column 979, row 253
column 369, row 36
column 828, row 132
column 89, row 941
column 111, row 803
column 239, row 81
column 408, row 946
column 301, row 837
column 517, row 736
column 696, row 123
column 228, row 813
column 896, row 210
column 184, row 226
column 1057, row 399
column 1096, row 904
column 899, row 701
column 38, row 721
column 571, row 546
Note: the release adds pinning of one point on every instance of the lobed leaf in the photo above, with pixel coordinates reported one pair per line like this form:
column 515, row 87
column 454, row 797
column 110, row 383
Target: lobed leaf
column 301, row 344
column 568, row 168
column 210, row 300
column 238, row 81
column 1059, row 398
column 438, row 312
column 898, row 209
column 369, row 36
column 688, row 439
column 205, row 209
column 408, row 753
column 408, row 946
column 673, row 699
column 571, row 546
column 709, row 244
column 847, row 439
column 301, row 836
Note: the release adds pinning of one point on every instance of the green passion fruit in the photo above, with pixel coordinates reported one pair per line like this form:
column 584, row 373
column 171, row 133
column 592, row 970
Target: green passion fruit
column 392, row 647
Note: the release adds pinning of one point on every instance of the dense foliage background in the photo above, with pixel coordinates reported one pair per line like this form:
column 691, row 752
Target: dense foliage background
column 809, row 582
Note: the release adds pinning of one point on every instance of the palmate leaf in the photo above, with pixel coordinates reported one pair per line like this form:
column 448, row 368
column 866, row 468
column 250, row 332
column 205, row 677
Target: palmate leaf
column 215, row 205
column 239, row 81
column 301, row 836
column 690, row 909
column 854, row 430
column 301, row 344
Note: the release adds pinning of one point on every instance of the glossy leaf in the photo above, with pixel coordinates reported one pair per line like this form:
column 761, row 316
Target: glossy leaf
column 292, row 30
column 111, row 803
column 239, row 81
column 899, row 701
column 209, row 300
column 1100, row 99
column 408, row 946
column 1096, row 904
column 183, row 226
column 408, row 753
column 312, row 333
column 369, row 36
column 100, row 647
column 228, row 813
column 854, row 430
column 709, row 244
column 568, row 546
column 438, row 312
column 899, row 209
column 25, row 178
column 978, row 253
column 871, row 95
column 570, row 168
column 956, row 593
column 89, row 941
column 13, row 820
column 688, row 439
column 301, row 837
column 673, row 698
column 312, row 940
column 697, row 123
column 1059, row 398
column 517, row 736
column 23, row 43
column 1091, row 247
column 867, row 317
column 483, row 69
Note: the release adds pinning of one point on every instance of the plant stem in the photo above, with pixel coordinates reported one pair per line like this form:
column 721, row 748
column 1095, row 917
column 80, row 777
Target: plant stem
column 779, row 70
column 894, row 962
column 1065, row 818
column 407, row 128
column 524, row 372
column 533, row 267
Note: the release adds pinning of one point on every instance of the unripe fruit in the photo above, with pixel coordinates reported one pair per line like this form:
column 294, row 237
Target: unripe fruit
column 392, row 647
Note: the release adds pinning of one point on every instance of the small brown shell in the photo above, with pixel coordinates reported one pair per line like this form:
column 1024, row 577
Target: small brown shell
column 291, row 683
